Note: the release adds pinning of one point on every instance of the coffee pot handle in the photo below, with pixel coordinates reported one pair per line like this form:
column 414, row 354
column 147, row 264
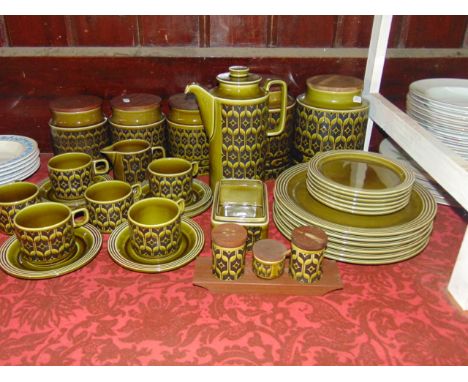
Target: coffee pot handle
column 284, row 103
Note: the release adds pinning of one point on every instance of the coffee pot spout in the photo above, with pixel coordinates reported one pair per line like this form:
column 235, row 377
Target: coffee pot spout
column 206, row 104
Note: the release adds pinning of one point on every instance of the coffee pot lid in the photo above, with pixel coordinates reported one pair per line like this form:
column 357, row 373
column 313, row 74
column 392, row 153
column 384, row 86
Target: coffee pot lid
column 239, row 75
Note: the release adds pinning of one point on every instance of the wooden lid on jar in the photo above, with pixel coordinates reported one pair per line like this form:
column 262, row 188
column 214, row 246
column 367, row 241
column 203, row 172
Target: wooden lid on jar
column 269, row 250
column 229, row 235
column 136, row 102
column 335, row 83
column 183, row 101
column 309, row 238
column 75, row 104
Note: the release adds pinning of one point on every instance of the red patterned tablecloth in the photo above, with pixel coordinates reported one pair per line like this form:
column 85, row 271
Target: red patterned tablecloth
column 398, row 314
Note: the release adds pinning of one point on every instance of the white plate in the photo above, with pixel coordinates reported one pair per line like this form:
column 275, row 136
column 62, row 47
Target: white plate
column 19, row 169
column 22, row 175
column 446, row 91
column 19, row 164
column 448, row 113
column 14, row 148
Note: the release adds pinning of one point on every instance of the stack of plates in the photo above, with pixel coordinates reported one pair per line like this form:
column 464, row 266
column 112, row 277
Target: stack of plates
column 440, row 105
column 359, row 182
column 357, row 239
column 19, row 158
column 391, row 150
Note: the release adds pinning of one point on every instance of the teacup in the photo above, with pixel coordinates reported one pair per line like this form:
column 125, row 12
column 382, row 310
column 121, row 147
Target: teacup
column 13, row 198
column 71, row 173
column 155, row 225
column 45, row 232
column 172, row 178
column 108, row 203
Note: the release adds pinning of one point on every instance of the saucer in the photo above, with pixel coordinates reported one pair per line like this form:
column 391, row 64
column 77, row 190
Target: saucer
column 46, row 193
column 202, row 197
column 121, row 251
column 88, row 243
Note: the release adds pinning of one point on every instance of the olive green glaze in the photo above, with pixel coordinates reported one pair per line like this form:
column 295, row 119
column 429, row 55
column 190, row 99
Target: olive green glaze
column 334, row 92
column 108, row 203
column 72, row 173
column 136, row 117
column 235, row 116
column 357, row 173
column 78, row 119
column 122, row 251
column 155, row 226
column 46, row 231
column 242, row 201
column 291, row 192
column 88, row 242
column 317, row 130
column 154, row 133
column 267, row 270
column 227, row 263
column 89, row 140
column 305, row 266
column 13, row 198
column 189, row 142
column 172, row 178
column 201, row 199
column 130, row 159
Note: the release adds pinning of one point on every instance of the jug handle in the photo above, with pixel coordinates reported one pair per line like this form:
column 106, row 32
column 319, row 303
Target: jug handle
column 284, row 102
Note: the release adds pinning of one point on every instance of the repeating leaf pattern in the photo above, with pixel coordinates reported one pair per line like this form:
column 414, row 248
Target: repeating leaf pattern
column 102, row 314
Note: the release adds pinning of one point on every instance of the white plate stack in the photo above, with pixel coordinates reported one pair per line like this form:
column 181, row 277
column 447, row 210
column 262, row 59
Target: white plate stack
column 19, row 158
column 391, row 150
column 440, row 105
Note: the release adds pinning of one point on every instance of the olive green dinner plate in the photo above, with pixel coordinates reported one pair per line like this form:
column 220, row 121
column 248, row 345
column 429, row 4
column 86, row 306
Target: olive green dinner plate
column 361, row 173
column 88, row 243
column 121, row 251
column 202, row 197
column 347, row 249
column 46, row 193
column 356, row 207
column 358, row 258
column 291, row 192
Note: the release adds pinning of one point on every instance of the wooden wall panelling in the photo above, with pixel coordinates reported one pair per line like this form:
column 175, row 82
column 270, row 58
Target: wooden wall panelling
column 356, row 31
column 36, row 30
column 397, row 31
column 436, row 31
column 169, row 30
column 306, row 31
column 245, row 31
column 105, row 30
column 3, row 32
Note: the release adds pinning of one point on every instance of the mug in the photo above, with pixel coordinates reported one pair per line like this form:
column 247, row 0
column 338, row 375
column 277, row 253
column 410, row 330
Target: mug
column 45, row 232
column 108, row 203
column 71, row 173
column 172, row 178
column 13, row 198
column 155, row 226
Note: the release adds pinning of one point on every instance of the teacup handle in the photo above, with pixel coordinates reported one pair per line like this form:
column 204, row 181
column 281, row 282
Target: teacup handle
column 158, row 148
column 194, row 168
column 76, row 212
column 181, row 205
column 136, row 189
column 97, row 162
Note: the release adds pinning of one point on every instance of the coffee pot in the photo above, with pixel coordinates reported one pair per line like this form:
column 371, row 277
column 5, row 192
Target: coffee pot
column 235, row 116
